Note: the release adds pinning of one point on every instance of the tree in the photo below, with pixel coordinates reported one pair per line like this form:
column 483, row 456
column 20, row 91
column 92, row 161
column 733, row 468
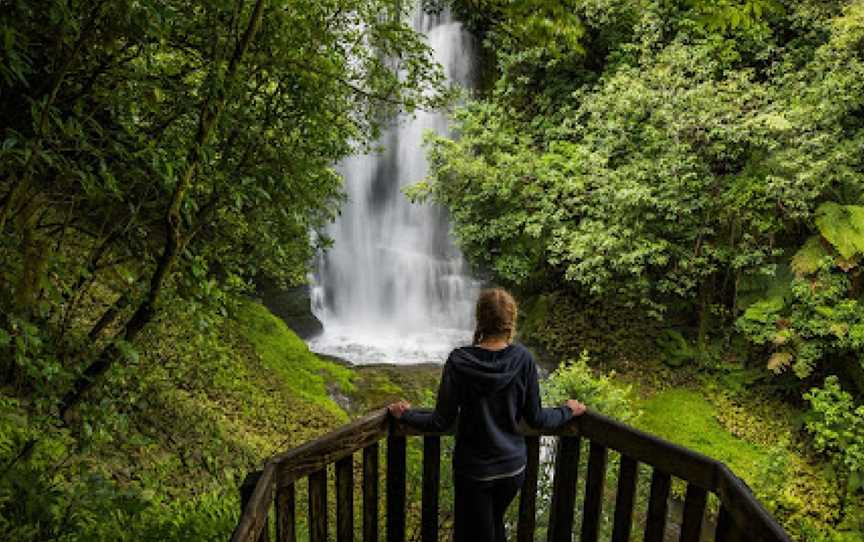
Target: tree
column 151, row 148
column 681, row 171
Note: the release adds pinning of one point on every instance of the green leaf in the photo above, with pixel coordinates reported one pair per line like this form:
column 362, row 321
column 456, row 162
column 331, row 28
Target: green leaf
column 806, row 260
column 842, row 226
column 765, row 310
column 128, row 351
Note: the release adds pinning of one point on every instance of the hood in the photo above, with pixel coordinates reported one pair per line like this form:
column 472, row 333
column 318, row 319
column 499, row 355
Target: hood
column 486, row 372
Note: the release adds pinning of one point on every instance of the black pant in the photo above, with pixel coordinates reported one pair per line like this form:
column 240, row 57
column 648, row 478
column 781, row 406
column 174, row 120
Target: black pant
column 480, row 506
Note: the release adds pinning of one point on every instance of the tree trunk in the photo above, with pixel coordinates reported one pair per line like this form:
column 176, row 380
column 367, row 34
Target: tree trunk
column 210, row 111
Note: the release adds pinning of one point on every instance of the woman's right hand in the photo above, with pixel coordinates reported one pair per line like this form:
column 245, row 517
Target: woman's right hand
column 398, row 408
column 576, row 407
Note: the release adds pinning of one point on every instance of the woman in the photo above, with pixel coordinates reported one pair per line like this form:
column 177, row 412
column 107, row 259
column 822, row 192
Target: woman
column 490, row 386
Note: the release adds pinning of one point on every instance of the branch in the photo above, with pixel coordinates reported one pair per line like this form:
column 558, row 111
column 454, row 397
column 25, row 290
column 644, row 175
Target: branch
column 143, row 314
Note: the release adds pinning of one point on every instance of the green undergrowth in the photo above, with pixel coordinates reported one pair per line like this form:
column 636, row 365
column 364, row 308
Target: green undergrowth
column 687, row 418
column 159, row 452
column 758, row 441
column 283, row 352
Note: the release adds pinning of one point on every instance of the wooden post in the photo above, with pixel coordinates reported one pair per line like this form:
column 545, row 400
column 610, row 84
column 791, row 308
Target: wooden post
column 395, row 488
column 285, row 514
column 564, row 490
column 246, row 490
column 658, row 505
column 694, row 510
column 345, row 499
column 594, row 482
column 431, row 483
column 318, row 506
column 726, row 530
column 370, row 493
column 528, row 495
column 628, row 474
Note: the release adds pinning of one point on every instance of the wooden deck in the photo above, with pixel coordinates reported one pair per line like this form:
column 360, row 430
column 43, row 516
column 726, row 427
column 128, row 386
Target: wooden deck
column 741, row 517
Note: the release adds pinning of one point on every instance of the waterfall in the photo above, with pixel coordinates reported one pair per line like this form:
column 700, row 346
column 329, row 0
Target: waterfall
column 393, row 287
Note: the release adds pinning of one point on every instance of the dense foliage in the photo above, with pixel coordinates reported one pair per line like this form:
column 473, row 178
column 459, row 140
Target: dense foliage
column 701, row 163
column 681, row 179
column 168, row 149
column 682, row 170
column 574, row 378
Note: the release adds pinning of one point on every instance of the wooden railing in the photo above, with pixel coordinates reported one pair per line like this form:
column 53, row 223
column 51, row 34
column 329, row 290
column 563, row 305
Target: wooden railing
column 741, row 517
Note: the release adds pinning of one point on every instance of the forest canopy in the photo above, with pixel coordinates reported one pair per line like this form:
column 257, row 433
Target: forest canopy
column 681, row 164
column 157, row 158
column 699, row 165
column 175, row 150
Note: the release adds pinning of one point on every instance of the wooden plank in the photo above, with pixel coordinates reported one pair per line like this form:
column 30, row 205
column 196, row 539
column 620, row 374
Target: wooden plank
column 646, row 448
column 594, row 483
column 431, row 483
column 370, row 493
column 628, row 475
column 744, row 509
column 256, row 505
column 395, row 488
column 402, row 429
column 564, row 490
column 318, row 506
column 285, row 514
column 668, row 458
column 246, row 491
column 247, row 488
column 694, row 511
column 724, row 524
column 643, row 447
column 658, row 506
column 528, row 494
column 726, row 530
column 345, row 499
column 317, row 454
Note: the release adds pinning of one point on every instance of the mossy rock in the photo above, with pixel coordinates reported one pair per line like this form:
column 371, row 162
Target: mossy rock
column 377, row 385
column 292, row 305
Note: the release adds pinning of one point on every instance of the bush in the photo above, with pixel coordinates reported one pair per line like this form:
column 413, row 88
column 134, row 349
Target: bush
column 575, row 379
column 837, row 427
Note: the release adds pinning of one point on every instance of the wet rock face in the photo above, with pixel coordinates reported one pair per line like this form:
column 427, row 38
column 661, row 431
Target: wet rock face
column 292, row 305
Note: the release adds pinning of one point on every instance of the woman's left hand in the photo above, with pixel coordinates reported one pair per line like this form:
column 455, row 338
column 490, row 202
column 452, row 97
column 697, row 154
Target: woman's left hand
column 576, row 407
column 398, row 408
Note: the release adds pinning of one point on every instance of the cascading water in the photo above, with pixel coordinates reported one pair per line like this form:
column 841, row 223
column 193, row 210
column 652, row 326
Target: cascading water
column 394, row 288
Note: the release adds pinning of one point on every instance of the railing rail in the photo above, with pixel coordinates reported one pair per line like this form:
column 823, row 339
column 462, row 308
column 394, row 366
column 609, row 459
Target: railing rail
column 741, row 516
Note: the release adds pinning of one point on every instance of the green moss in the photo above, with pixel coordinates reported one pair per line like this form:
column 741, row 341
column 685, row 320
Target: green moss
column 283, row 352
column 686, row 417
column 377, row 385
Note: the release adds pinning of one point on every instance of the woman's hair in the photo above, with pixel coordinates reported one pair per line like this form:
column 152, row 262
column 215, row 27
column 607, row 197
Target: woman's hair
column 496, row 315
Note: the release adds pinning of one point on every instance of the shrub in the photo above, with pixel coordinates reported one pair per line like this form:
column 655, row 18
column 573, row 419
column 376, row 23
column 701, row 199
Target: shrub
column 837, row 427
column 575, row 379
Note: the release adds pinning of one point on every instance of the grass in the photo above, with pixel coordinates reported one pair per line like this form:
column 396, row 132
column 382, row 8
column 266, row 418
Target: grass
column 686, row 417
column 757, row 443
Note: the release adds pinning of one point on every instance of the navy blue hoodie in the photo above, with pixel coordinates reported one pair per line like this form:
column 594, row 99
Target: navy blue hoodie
column 490, row 392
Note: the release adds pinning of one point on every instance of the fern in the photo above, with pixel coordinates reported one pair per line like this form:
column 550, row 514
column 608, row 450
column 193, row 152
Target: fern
column 842, row 226
column 808, row 257
column 764, row 311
